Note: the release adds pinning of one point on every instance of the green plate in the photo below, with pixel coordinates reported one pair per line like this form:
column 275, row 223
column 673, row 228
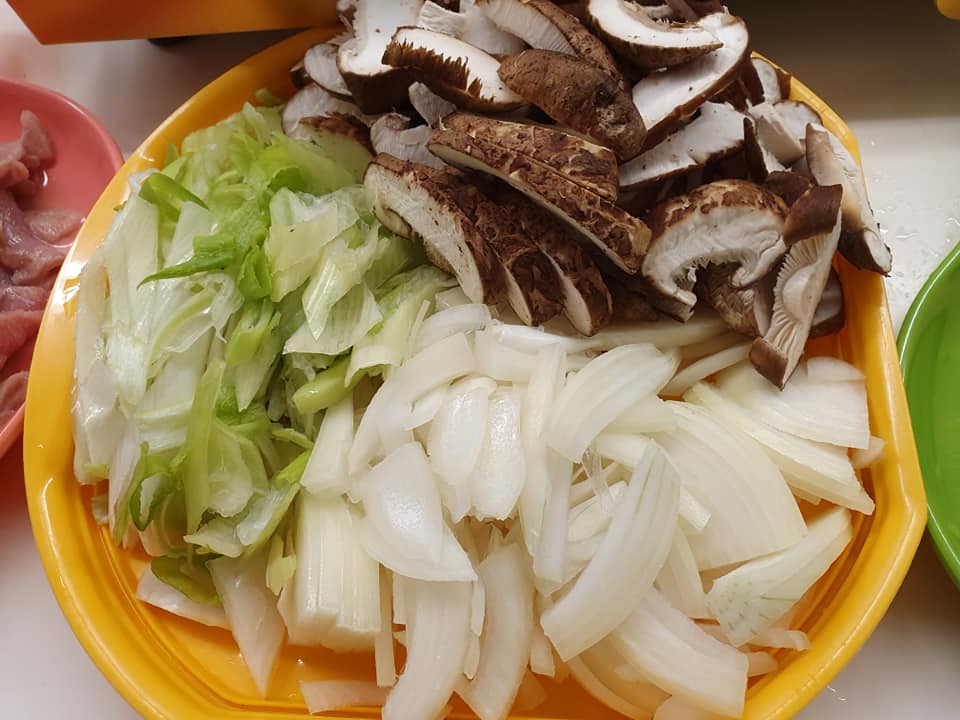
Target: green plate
column 930, row 361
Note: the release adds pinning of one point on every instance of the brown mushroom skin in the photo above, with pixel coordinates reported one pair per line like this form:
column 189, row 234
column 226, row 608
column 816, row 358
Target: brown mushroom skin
column 576, row 93
column 516, row 252
column 736, row 306
column 787, row 184
column 341, row 124
column 813, row 213
column 489, row 270
column 591, row 166
column 571, row 261
column 299, row 76
column 584, row 43
column 623, row 236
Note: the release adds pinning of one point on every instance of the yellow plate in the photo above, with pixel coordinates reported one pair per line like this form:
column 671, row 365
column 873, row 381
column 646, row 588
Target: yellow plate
column 170, row 668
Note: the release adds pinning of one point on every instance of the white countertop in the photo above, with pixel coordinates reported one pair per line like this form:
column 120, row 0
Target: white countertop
column 893, row 74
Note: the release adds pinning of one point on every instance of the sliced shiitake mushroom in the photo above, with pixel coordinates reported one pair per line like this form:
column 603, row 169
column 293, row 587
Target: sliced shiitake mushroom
column 320, row 65
column 450, row 238
column 342, row 138
column 722, row 222
column 392, row 134
column 715, row 133
column 314, row 101
column 462, row 73
column 481, row 31
column 591, row 166
column 643, row 41
column 812, row 230
column 375, row 86
column 586, row 299
column 578, row 94
column 545, row 26
column 530, row 280
column 430, row 106
column 830, row 163
column 620, row 236
column 669, row 95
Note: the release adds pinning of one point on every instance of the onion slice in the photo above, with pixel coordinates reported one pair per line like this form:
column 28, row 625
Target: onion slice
column 326, row 695
column 629, row 558
column 438, row 631
column 159, row 594
column 749, row 599
column 252, row 612
column 602, row 391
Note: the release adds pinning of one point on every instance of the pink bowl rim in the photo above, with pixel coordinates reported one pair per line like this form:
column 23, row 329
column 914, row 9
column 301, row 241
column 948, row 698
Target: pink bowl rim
column 14, row 427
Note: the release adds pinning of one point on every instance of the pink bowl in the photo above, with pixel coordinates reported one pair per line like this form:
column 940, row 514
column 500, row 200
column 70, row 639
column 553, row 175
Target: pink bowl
column 87, row 158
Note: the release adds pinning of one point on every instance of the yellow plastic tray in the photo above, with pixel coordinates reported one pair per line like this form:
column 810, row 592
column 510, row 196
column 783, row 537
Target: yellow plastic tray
column 62, row 21
column 170, row 668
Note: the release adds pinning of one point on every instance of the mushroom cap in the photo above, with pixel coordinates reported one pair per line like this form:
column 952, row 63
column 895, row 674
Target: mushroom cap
column 760, row 161
column 787, row 184
column 462, row 73
column 727, row 221
column 646, row 42
column 664, row 97
column 591, row 166
column 577, row 93
column 375, row 86
column 715, row 133
column 546, row 26
column 621, row 237
column 451, row 240
column 830, row 163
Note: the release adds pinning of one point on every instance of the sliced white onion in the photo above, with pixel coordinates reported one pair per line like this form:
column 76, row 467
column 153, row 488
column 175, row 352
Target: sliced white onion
column 710, row 346
column 752, row 597
column 705, row 367
column 432, row 367
column 823, row 471
column 472, row 661
column 831, row 369
column 425, row 409
column 761, row 663
column 401, row 500
column 629, row 558
column 674, row 708
column 679, row 579
column 438, row 632
column 649, row 415
column 774, row 637
column 502, row 362
column 627, row 449
column 539, row 460
column 602, row 391
column 452, row 565
column 159, row 594
column 832, row 412
column 326, row 695
column 451, row 298
column 663, row 333
column 593, row 515
column 752, row 511
column 452, row 320
column 383, row 657
column 607, row 665
column 358, row 621
column 869, row 455
column 251, row 610
column 507, row 634
column 670, row 649
column 541, row 654
column 589, row 682
column 326, row 470
column 456, row 438
column 550, row 560
column 533, row 339
column 497, row 479
column 478, row 607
